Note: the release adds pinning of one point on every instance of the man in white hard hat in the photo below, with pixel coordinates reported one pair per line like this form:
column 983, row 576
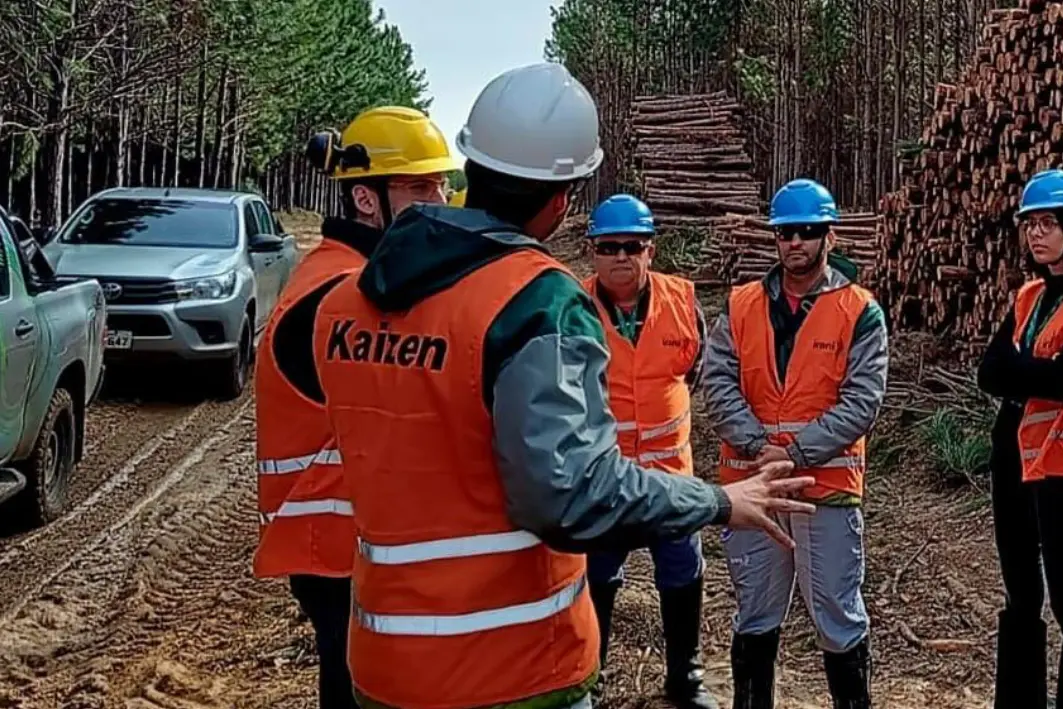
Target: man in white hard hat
column 464, row 377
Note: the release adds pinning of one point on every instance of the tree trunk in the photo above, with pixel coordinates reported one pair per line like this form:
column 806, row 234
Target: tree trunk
column 175, row 138
column 219, row 125
column 201, row 119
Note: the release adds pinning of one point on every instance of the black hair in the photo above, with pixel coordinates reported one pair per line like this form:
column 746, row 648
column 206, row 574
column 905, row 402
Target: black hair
column 1041, row 270
column 515, row 200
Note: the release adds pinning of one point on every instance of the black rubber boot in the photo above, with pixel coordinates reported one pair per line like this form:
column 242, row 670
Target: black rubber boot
column 603, row 596
column 1059, row 686
column 849, row 676
column 681, row 618
column 1022, row 663
column 753, row 670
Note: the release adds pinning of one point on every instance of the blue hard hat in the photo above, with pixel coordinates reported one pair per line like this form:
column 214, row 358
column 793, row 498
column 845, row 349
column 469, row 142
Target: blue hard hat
column 621, row 214
column 1043, row 191
column 802, row 202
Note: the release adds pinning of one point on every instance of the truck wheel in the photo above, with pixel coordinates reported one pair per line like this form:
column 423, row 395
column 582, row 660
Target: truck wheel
column 49, row 466
column 237, row 368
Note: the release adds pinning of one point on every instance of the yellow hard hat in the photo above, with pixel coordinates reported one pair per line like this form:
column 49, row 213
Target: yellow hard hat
column 457, row 199
column 390, row 140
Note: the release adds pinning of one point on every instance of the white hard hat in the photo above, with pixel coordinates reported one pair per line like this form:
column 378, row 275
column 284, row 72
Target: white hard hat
column 536, row 122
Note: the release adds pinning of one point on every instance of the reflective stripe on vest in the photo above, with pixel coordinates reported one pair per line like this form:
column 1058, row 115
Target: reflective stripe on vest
column 811, row 387
column 286, row 466
column 1041, row 417
column 455, row 548
column 795, row 427
column 647, row 380
column 472, row 622
column 1038, row 435
column 843, row 461
column 306, row 508
column 302, row 531
column 1037, row 419
column 443, row 581
column 650, row 456
column 651, row 433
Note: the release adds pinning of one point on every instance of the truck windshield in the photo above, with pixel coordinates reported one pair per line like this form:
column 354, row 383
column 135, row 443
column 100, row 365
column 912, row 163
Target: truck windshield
column 154, row 222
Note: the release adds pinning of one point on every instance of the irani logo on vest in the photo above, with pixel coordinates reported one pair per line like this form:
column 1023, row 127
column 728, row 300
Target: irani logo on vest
column 825, row 345
column 677, row 341
column 383, row 346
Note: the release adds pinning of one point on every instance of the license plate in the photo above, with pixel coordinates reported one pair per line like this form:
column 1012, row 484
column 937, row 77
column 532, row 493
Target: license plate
column 118, row 339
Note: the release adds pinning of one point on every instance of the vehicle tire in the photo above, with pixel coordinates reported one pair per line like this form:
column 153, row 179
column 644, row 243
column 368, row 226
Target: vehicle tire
column 48, row 468
column 236, row 369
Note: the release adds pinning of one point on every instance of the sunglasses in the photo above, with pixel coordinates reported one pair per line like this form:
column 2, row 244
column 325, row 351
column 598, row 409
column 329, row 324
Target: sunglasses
column 612, row 248
column 803, row 232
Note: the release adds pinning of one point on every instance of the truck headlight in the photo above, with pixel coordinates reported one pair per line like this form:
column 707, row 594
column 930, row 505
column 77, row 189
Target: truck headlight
column 211, row 288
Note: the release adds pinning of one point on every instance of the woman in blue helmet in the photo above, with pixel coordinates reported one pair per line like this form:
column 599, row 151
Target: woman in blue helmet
column 1022, row 366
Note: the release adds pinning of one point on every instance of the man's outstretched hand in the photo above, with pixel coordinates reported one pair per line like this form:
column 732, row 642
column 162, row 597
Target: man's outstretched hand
column 754, row 499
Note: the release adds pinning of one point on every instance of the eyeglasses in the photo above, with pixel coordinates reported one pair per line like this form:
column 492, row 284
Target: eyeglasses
column 612, row 248
column 1044, row 223
column 803, row 232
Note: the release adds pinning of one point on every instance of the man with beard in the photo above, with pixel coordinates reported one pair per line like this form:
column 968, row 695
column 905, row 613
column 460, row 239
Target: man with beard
column 656, row 332
column 796, row 370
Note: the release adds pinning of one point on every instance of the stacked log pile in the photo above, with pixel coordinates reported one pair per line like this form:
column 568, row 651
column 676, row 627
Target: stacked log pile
column 691, row 159
column 742, row 248
column 695, row 174
column 950, row 258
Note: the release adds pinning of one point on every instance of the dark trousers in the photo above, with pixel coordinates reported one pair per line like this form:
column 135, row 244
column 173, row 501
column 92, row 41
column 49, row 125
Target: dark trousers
column 327, row 602
column 676, row 563
column 1050, row 520
column 1028, row 526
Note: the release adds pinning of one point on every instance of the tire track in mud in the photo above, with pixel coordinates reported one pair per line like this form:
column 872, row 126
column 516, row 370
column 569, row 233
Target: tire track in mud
column 89, row 631
column 124, row 478
column 98, row 467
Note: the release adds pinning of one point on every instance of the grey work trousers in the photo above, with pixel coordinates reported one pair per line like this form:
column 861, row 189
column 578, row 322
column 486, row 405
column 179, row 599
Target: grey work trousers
column 827, row 565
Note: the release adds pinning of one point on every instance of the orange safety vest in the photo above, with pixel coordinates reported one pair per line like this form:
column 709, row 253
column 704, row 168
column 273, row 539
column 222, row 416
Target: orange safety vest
column 1041, row 429
column 647, row 387
column 306, row 523
column 814, row 377
column 455, row 606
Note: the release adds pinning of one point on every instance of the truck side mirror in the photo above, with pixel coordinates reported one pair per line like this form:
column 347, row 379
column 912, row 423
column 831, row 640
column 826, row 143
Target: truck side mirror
column 265, row 243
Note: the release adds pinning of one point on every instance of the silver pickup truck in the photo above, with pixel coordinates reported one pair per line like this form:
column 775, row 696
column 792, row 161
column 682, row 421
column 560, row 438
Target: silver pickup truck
column 51, row 367
column 190, row 275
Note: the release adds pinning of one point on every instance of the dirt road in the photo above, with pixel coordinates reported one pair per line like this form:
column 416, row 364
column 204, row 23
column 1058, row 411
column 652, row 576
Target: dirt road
column 141, row 596
column 137, row 597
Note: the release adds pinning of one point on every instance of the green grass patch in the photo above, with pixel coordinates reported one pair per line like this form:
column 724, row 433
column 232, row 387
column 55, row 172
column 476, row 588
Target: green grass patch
column 678, row 250
column 959, row 445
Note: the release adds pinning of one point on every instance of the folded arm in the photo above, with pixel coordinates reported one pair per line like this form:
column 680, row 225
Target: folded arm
column 1007, row 373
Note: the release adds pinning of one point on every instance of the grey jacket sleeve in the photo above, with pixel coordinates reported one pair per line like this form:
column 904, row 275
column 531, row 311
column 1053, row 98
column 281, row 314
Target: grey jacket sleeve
column 860, row 398
column 696, row 375
column 564, row 477
column 732, row 418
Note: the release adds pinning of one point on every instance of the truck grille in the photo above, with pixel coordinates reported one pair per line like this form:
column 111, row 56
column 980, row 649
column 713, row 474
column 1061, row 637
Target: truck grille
column 139, row 291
